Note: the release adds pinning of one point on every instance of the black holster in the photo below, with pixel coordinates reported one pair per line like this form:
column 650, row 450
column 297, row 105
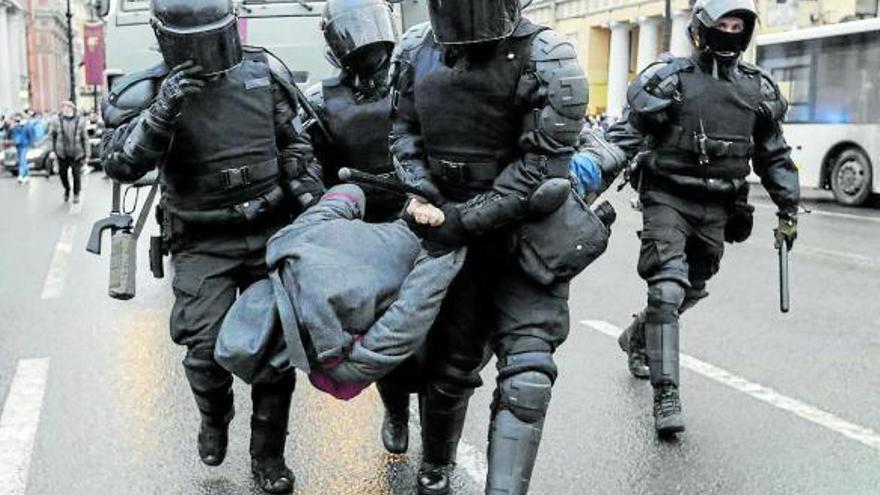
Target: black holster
column 741, row 221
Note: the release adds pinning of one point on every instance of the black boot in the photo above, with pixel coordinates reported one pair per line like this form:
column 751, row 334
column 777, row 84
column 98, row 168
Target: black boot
column 215, row 403
column 66, row 196
column 213, row 438
column 443, row 410
column 667, row 410
column 268, row 436
column 632, row 342
column 395, row 425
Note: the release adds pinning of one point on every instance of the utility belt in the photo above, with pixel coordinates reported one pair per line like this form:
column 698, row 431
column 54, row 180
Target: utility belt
column 180, row 225
column 472, row 174
column 705, row 147
column 195, row 191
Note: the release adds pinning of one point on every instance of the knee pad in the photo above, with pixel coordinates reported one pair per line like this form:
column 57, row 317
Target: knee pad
column 525, row 394
column 664, row 300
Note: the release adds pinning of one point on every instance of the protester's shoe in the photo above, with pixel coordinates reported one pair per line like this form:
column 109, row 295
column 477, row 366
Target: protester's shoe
column 213, row 438
column 66, row 196
column 272, row 475
column 433, row 479
column 632, row 342
column 668, row 419
column 76, row 199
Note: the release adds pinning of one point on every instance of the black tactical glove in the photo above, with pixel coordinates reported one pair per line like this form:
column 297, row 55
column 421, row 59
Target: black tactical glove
column 449, row 236
column 787, row 230
column 182, row 82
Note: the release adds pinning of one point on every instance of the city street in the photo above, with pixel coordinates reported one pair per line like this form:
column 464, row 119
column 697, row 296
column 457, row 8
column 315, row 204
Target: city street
column 94, row 398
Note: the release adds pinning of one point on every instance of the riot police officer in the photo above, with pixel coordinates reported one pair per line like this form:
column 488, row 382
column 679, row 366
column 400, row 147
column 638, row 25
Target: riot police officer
column 354, row 108
column 704, row 118
column 488, row 107
column 221, row 125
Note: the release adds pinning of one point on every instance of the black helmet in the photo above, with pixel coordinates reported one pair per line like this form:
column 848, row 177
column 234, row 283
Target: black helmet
column 204, row 31
column 350, row 25
column 707, row 37
column 457, row 22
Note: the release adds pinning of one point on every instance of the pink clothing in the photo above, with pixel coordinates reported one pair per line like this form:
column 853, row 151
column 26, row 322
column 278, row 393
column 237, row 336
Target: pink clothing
column 342, row 391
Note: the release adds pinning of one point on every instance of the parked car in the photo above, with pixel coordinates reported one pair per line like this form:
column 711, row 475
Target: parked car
column 37, row 156
column 96, row 134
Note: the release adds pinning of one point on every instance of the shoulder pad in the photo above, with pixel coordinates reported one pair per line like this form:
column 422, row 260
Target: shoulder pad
column 548, row 45
column 527, row 28
column 657, row 85
column 315, row 96
column 132, row 94
column 277, row 67
column 557, row 68
column 411, row 40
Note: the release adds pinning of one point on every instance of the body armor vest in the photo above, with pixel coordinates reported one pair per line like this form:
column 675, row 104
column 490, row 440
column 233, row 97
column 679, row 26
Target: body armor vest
column 359, row 132
column 712, row 129
column 224, row 150
column 469, row 118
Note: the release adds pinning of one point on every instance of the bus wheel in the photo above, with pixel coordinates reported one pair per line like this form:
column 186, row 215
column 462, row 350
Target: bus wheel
column 851, row 178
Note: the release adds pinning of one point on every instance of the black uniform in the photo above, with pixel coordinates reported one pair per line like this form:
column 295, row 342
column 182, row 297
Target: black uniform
column 357, row 118
column 232, row 171
column 699, row 124
column 483, row 127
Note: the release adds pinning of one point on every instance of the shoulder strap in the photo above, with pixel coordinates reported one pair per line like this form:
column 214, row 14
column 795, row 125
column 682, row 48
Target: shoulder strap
column 145, row 210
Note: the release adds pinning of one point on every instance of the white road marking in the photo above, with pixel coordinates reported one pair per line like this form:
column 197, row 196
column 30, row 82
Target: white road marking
column 467, row 457
column 76, row 208
column 54, row 284
column 801, row 409
column 19, row 422
column 848, row 216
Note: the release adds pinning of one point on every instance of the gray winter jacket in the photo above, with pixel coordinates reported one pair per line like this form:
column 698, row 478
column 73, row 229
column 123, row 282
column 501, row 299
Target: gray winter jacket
column 345, row 298
column 70, row 139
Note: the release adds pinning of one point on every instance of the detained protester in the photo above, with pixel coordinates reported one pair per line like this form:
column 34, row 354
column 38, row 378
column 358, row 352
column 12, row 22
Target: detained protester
column 345, row 331
column 354, row 109
column 488, row 108
column 71, row 147
column 696, row 124
column 220, row 123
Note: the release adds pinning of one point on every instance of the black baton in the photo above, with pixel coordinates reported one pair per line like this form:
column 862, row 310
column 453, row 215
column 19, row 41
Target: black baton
column 391, row 185
column 782, row 246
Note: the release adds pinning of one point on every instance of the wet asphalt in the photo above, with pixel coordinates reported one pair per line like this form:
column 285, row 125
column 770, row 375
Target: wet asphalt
column 117, row 416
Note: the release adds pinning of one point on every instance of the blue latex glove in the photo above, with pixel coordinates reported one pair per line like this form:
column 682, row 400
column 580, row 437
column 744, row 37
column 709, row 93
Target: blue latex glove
column 586, row 173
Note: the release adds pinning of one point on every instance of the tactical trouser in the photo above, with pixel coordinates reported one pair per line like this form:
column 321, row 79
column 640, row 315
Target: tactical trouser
column 70, row 166
column 493, row 305
column 210, row 272
column 682, row 247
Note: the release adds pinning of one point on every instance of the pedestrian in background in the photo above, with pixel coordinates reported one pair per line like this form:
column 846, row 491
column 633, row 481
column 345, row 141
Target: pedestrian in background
column 70, row 146
column 21, row 136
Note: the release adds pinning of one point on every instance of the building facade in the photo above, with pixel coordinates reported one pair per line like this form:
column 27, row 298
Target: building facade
column 616, row 39
column 47, row 50
column 13, row 56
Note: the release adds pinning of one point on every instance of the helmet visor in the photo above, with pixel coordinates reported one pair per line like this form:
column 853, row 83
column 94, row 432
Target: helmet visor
column 215, row 47
column 353, row 29
column 716, row 9
column 472, row 21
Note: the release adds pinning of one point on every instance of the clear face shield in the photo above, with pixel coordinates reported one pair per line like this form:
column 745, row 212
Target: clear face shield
column 473, row 21
column 352, row 30
column 215, row 47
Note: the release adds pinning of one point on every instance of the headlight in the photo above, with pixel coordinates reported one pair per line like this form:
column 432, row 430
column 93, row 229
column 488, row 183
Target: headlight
column 34, row 154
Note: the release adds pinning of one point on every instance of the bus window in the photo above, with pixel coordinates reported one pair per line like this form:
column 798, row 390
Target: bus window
column 794, row 84
column 846, row 80
column 135, row 5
